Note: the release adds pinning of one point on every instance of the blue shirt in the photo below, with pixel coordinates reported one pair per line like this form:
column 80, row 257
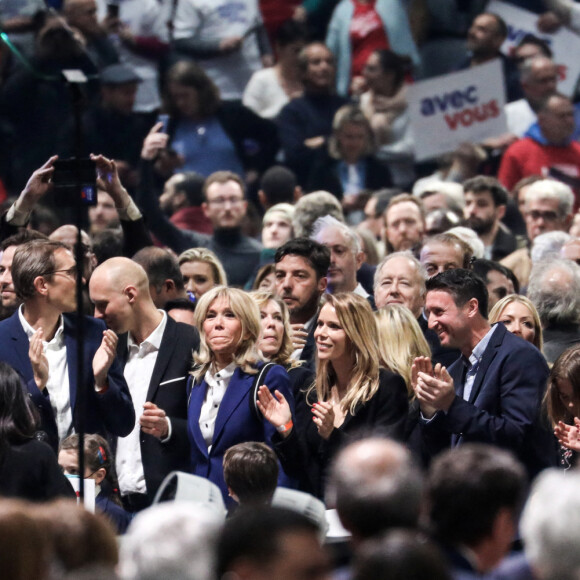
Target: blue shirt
column 205, row 147
column 472, row 364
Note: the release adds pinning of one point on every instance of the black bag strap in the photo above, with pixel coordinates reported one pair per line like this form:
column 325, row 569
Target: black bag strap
column 258, row 382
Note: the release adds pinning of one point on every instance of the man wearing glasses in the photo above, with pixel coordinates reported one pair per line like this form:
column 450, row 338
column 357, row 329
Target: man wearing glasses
column 39, row 341
column 225, row 205
column 548, row 207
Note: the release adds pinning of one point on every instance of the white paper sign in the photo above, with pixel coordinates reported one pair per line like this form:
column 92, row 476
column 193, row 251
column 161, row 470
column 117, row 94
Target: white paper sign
column 464, row 106
column 564, row 43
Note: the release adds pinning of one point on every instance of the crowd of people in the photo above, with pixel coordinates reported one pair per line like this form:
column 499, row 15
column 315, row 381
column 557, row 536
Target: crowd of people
column 271, row 293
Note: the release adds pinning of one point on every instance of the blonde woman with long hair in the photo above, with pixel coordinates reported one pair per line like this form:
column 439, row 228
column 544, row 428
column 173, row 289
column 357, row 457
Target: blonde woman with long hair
column 222, row 408
column 520, row 317
column 351, row 391
column 401, row 340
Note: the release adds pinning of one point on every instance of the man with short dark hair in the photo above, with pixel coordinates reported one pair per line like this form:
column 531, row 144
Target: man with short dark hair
column 301, row 270
column 182, row 199
column 39, row 341
column 496, row 278
column 165, row 277
column 278, row 185
column 8, row 298
column 474, row 496
column 271, row 543
column 251, row 473
column 493, row 393
column 484, row 39
column 485, row 206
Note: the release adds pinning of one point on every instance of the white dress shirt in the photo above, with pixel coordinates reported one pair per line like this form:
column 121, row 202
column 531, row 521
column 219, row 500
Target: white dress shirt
column 57, row 386
column 217, row 384
column 138, row 371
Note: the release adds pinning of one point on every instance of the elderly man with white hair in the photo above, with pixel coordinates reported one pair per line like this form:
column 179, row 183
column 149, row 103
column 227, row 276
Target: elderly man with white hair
column 555, row 291
column 548, row 207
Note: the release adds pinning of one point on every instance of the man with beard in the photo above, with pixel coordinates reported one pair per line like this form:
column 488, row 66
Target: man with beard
column 484, row 39
column 301, row 270
column 485, row 205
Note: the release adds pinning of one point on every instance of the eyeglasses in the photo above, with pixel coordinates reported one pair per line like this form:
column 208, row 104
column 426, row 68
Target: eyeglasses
column 220, row 201
column 72, row 272
column 547, row 216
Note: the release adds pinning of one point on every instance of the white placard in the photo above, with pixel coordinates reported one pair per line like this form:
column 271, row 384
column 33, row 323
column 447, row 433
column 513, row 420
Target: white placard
column 564, row 43
column 451, row 109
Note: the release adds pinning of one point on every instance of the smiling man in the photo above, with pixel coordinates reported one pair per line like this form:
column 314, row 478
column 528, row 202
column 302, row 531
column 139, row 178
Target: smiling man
column 493, row 393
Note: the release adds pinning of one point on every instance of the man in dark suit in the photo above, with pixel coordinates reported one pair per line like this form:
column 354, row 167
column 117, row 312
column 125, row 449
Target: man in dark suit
column 493, row 393
column 39, row 341
column 157, row 355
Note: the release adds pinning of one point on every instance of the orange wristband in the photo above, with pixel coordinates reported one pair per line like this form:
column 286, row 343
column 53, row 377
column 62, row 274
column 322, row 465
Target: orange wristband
column 286, row 427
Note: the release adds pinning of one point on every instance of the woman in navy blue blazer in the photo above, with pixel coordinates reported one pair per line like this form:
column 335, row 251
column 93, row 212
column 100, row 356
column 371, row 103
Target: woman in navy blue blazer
column 222, row 407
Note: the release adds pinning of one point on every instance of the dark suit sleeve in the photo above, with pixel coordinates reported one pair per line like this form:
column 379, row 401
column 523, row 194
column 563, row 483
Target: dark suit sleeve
column 115, row 405
column 506, row 407
column 167, row 233
column 135, row 236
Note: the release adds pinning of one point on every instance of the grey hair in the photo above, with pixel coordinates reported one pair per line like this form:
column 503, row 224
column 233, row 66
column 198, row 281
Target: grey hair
column 470, row 238
column 557, row 303
column 171, row 540
column 552, row 189
column 312, row 206
column 548, row 245
column 409, row 256
column 550, row 524
column 527, row 68
column 327, row 222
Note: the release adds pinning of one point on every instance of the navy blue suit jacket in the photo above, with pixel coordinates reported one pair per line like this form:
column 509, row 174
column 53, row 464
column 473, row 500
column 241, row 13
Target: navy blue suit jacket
column 111, row 412
column 504, row 405
column 236, row 422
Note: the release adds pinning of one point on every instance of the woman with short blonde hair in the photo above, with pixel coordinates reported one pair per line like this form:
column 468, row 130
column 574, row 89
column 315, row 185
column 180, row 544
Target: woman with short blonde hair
column 222, row 409
column 196, row 280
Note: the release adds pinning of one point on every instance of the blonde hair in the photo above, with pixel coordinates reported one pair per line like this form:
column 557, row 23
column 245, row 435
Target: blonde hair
column 356, row 318
column 500, row 305
column 208, row 257
column 401, row 340
column 246, row 311
column 282, row 357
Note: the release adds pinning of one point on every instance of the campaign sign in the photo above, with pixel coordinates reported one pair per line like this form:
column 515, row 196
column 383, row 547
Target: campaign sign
column 564, row 43
column 451, row 109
